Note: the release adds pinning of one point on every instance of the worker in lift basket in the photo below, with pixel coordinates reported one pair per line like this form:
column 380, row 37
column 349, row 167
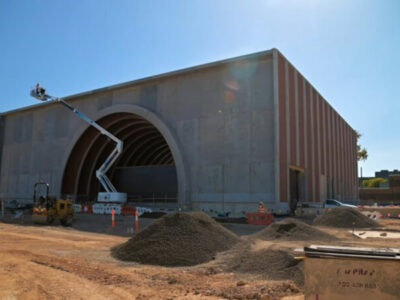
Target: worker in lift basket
column 261, row 208
column 40, row 91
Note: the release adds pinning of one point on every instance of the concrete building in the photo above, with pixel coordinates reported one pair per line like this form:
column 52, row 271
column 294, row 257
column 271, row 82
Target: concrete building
column 386, row 173
column 221, row 136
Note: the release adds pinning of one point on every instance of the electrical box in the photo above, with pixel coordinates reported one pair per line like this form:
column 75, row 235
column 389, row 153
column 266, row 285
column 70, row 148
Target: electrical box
column 348, row 273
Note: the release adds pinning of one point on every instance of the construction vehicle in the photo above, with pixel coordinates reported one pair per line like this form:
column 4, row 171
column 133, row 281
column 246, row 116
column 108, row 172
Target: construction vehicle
column 46, row 209
column 111, row 195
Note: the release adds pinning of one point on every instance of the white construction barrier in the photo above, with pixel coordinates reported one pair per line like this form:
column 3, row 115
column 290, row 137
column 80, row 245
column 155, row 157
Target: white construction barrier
column 77, row 208
column 98, row 209
column 142, row 210
column 109, row 207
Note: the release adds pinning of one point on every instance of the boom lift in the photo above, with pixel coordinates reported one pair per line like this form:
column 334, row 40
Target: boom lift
column 111, row 194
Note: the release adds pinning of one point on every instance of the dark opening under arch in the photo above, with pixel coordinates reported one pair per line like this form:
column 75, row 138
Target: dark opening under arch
column 145, row 170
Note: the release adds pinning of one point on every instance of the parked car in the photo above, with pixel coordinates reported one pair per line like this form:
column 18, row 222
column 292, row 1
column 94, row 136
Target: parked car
column 332, row 203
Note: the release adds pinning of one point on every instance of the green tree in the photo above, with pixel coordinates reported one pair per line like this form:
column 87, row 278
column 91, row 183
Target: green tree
column 373, row 182
column 362, row 153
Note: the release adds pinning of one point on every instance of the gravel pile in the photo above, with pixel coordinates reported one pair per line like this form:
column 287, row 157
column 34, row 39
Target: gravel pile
column 345, row 217
column 292, row 230
column 267, row 263
column 179, row 239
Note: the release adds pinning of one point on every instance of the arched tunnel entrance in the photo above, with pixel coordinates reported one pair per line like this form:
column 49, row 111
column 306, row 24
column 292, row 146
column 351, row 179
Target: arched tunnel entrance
column 145, row 170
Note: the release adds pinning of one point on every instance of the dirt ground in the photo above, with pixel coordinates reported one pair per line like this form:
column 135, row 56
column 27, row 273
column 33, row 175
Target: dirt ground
column 64, row 263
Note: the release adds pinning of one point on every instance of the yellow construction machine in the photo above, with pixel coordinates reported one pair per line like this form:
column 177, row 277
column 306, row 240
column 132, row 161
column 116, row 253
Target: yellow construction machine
column 46, row 209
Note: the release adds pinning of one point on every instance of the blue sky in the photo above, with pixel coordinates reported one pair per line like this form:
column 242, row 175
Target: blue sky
column 349, row 50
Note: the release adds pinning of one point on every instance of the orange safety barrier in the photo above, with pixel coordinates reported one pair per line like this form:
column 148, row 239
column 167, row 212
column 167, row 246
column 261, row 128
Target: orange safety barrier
column 87, row 209
column 128, row 210
column 260, row 219
column 113, row 218
column 137, row 222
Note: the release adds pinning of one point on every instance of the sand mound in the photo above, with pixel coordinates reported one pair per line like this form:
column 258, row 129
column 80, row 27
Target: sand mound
column 345, row 217
column 268, row 263
column 292, row 230
column 180, row 239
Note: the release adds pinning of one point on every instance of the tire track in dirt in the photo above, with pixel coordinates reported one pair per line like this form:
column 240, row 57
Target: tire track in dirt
column 92, row 272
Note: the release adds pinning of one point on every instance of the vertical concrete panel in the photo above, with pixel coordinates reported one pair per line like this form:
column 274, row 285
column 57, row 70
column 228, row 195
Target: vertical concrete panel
column 262, row 147
column 302, row 120
column 347, row 143
column 348, row 155
column 330, row 150
column 350, row 162
column 337, row 160
column 309, row 148
column 352, row 171
column 327, row 142
column 297, row 113
column 2, row 131
column 313, row 143
column 211, row 133
column 322, row 135
column 237, row 137
column 355, row 165
column 335, row 166
column 188, row 133
column 236, row 186
column 276, row 131
column 283, row 172
column 262, row 182
column 341, row 136
column 334, row 154
column 316, row 155
column 288, row 128
column 340, row 159
column 306, row 141
column 345, row 161
column 292, row 117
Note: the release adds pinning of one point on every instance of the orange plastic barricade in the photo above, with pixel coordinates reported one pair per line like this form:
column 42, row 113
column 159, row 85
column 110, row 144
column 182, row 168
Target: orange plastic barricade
column 260, row 219
column 113, row 218
column 128, row 210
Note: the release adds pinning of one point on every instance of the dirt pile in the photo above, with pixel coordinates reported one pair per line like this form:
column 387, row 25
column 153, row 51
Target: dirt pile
column 266, row 263
column 180, row 239
column 292, row 230
column 345, row 217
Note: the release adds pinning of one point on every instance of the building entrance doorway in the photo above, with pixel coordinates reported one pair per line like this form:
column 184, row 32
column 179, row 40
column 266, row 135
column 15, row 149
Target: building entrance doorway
column 296, row 188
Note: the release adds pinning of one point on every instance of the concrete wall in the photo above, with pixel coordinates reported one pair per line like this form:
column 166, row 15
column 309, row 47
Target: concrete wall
column 313, row 138
column 220, row 117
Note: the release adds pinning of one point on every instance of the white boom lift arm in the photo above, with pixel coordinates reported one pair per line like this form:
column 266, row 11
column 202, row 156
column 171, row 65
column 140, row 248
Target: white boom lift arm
column 111, row 194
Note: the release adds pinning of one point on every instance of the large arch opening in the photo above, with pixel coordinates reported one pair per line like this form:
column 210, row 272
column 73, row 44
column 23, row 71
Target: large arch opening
column 145, row 171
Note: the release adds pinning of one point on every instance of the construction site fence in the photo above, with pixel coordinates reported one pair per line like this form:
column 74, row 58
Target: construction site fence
column 148, row 200
column 106, row 209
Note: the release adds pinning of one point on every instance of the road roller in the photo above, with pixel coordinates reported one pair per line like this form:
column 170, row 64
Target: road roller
column 46, row 209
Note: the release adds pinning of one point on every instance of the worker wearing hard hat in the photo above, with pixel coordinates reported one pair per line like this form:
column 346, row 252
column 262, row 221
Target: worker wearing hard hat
column 261, row 208
column 39, row 90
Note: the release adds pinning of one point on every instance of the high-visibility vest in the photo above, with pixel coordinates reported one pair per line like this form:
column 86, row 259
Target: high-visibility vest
column 261, row 209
